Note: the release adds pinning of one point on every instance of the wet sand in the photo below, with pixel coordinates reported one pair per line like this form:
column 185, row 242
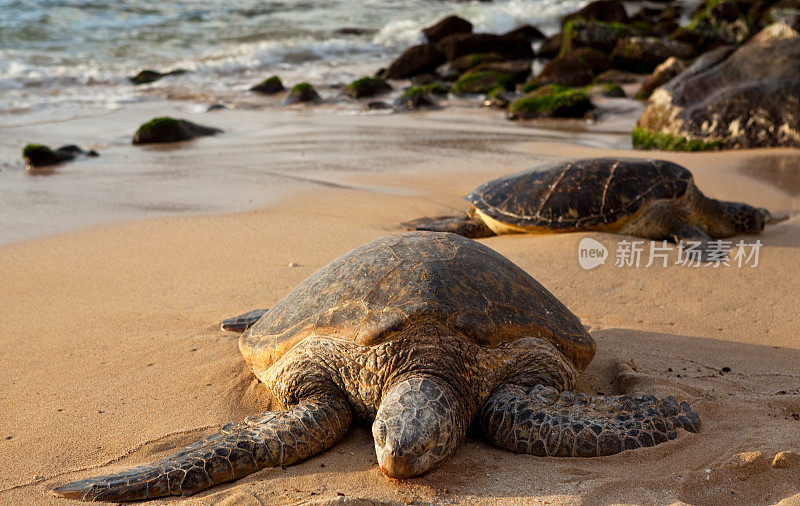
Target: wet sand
column 113, row 357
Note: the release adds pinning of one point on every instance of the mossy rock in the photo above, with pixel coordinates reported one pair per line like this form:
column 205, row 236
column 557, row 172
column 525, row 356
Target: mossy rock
column 610, row 90
column 367, row 87
column 551, row 101
column 530, row 86
column 436, row 89
column 269, row 86
column 482, row 81
column 414, row 98
column 645, row 139
column 468, row 61
column 302, row 92
column 578, row 33
column 166, row 129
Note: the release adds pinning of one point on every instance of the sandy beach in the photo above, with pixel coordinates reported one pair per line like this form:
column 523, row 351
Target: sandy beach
column 112, row 356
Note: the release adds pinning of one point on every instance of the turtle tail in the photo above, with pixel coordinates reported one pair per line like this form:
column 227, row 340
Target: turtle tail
column 541, row 421
column 269, row 440
column 466, row 225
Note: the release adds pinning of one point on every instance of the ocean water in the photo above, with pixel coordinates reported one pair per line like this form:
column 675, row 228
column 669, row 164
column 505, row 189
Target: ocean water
column 75, row 52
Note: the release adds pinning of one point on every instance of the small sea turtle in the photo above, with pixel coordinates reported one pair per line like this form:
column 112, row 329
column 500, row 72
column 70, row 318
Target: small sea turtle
column 654, row 199
column 421, row 333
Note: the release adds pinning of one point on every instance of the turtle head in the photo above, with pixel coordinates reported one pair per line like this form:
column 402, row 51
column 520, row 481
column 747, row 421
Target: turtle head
column 726, row 219
column 747, row 219
column 418, row 425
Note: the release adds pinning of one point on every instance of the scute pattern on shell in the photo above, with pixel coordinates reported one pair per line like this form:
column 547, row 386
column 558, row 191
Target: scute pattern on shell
column 370, row 294
column 580, row 194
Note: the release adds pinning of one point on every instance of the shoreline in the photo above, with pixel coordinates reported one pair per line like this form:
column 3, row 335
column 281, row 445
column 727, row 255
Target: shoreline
column 113, row 356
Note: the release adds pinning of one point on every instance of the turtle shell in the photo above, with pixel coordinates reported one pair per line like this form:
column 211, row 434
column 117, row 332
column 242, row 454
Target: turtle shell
column 371, row 294
column 594, row 193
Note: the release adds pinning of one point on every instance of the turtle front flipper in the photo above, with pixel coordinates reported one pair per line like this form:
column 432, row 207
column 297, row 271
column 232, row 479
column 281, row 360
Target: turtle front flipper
column 268, row 440
column 466, row 225
column 243, row 321
column 541, row 421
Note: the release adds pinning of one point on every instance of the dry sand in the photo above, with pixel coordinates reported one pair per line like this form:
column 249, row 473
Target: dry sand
column 112, row 356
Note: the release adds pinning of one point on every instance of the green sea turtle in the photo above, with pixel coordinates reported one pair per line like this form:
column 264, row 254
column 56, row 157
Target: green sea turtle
column 654, row 199
column 420, row 333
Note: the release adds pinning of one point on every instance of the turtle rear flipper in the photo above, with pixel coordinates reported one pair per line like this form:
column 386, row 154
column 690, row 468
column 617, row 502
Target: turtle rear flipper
column 542, row 422
column 243, row 321
column 465, row 225
column 269, row 440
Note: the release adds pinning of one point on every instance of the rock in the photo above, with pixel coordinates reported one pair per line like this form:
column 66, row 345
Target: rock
column 269, row 86
column 598, row 35
column 576, row 68
column 551, row 46
column 511, row 48
column 38, row 155
column 414, row 98
column 302, row 93
column 551, row 101
column 149, row 76
column 448, row 26
column 376, row 106
column 436, row 89
column 216, row 107
column 746, row 98
column 347, row 30
column 609, row 90
column 618, row 77
column 786, row 459
column 517, row 70
column 611, row 11
column 419, row 59
column 469, row 61
column 499, row 98
column 644, row 54
column 166, row 129
column 367, row 87
column 716, row 23
column 527, row 32
column 481, row 81
column 661, row 75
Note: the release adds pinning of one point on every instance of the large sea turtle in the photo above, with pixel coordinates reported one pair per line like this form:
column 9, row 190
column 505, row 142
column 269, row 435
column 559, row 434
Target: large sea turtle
column 654, row 199
column 421, row 333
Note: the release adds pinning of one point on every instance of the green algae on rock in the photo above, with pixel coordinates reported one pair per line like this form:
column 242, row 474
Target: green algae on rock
column 367, row 87
column 269, row 86
column 166, row 129
column 645, row 139
column 551, row 101
column 482, row 81
column 302, row 92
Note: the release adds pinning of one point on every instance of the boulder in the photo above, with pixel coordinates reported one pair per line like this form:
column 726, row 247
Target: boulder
column 743, row 98
column 166, row 129
column 448, row 26
column 302, row 92
column 414, row 98
column 148, row 76
column 551, row 101
column 420, row 59
column 598, row 35
column 575, row 68
column 510, row 47
column 482, row 81
column 551, row 46
column 611, row 11
column 661, row 75
column 469, row 61
column 644, row 54
column 269, row 86
column 367, row 87
column 517, row 70
column 527, row 32
column 38, row 155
